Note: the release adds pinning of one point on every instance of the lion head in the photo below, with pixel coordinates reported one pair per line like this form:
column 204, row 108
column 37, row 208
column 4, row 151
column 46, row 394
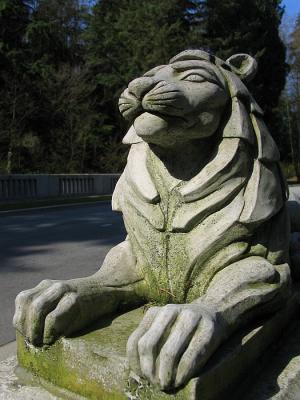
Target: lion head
column 187, row 95
column 189, row 98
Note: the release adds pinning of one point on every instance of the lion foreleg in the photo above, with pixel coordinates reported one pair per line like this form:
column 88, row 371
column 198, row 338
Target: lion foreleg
column 241, row 291
column 237, row 290
column 56, row 308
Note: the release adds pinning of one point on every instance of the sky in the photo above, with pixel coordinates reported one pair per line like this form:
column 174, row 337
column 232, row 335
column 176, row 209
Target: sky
column 292, row 7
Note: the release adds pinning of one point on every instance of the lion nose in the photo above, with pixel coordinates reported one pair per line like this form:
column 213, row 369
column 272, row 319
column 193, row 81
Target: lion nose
column 138, row 87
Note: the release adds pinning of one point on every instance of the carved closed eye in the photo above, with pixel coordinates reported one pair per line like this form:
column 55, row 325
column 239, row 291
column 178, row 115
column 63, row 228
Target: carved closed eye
column 193, row 78
column 197, row 75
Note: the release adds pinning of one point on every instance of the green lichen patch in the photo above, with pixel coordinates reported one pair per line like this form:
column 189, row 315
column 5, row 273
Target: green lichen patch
column 94, row 365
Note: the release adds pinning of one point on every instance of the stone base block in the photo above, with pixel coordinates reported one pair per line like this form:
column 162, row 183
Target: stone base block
column 94, row 365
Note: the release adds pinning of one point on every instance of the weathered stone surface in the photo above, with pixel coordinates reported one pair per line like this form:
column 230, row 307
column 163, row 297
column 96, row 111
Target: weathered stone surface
column 204, row 205
column 95, row 364
column 278, row 377
column 12, row 389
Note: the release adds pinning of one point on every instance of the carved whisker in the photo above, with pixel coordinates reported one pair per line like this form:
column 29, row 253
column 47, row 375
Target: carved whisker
column 157, row 91
column 125, row 103
column 160, row 101
column 162, row 105
column 155, row 97
column 123, row 109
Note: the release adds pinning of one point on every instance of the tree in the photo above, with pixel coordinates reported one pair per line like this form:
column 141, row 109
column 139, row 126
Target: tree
column 15, row 103
column 55, row 31
column 60, row 61
column 56, row 50
column 295, row 70
column 293, row 94
column 71, row 128
column 41, row 106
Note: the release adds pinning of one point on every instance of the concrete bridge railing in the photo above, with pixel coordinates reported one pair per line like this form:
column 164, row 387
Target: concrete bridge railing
column 38, row 186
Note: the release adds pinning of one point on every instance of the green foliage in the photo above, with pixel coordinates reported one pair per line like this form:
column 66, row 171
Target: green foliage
column 64, row 64
column 45, row 96
column 293, row 95
column 15, row 104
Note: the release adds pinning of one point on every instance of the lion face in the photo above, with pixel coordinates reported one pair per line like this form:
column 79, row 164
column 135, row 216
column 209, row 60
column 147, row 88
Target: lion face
column 174, row 103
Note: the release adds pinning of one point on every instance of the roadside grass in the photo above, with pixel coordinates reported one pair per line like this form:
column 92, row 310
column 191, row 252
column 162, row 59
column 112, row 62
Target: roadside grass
column 51, row 202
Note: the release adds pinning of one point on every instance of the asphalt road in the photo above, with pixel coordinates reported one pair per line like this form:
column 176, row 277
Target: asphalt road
column 55, row 243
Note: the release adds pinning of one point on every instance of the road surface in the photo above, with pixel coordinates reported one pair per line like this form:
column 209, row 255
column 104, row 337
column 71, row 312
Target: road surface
column 55, row 243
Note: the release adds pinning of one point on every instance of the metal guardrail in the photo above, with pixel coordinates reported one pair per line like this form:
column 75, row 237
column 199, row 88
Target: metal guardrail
column 22, row 187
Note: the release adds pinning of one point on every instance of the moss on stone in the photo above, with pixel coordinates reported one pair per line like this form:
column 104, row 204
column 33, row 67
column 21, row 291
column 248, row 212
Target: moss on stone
column 50, row 364
column 94, row 365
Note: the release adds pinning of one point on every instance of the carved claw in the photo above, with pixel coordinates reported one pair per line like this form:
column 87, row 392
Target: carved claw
column 172, row 343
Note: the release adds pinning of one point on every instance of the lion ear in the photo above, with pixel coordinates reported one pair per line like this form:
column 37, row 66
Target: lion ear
column 243, row 65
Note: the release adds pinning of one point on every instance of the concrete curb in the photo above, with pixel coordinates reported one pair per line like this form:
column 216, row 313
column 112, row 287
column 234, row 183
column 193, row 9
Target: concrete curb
column 8, row 350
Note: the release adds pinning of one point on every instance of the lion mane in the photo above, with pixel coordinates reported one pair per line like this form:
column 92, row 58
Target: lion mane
column 230, row 210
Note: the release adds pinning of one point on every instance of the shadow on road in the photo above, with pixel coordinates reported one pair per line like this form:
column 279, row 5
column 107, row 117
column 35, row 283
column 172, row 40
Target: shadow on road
column 41, row 233
column 60, row 243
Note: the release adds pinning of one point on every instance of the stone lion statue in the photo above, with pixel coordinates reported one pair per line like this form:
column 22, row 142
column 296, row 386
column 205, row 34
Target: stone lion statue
column 204, row 205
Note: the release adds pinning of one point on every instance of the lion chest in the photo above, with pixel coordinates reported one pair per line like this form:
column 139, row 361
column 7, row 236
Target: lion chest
column 162, row 253
column 171, row 237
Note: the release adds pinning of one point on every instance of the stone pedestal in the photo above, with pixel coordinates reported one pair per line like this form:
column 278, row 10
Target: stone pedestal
column 94, row 364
